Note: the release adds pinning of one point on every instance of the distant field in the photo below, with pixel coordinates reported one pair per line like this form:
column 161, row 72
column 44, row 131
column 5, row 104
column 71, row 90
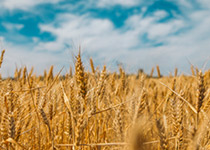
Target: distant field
column 100, row 110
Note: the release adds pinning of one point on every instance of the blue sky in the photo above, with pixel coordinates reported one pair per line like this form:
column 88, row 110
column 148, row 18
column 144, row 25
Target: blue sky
column 136, row 33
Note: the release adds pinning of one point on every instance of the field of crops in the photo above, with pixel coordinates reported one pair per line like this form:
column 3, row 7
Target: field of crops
column 100, row 110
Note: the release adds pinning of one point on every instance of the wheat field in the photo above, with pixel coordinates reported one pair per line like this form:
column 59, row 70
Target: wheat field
column 100, row 110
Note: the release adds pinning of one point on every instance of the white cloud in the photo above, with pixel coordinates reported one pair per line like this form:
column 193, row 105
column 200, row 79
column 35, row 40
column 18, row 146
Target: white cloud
column 50, row 46
column 77, row 27
column 35, row 39
column 161, row 30
column 99, row 37
column 1, row 42
column 126, row 3
column 25, row 55
column 12, row 26
column 204, row 3
column 160, row 14
column 24, row 4
column 185, row 3
column 28, row 4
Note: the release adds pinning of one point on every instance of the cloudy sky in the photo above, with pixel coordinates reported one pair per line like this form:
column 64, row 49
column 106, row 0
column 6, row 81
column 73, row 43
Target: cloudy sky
column 136, row 33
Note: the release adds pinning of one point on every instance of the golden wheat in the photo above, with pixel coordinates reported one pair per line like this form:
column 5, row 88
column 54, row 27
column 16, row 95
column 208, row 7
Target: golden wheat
column 104, row 110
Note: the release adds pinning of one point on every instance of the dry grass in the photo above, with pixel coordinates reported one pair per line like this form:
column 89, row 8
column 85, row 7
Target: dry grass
column 99, row 110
